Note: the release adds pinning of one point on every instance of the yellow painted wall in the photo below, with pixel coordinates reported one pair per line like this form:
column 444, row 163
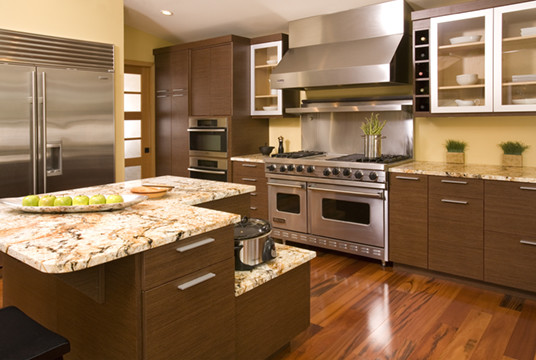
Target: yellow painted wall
column 139, row 45
column 93, row 20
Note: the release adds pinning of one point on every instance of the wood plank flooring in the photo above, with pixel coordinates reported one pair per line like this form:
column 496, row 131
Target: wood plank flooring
column 360, row 310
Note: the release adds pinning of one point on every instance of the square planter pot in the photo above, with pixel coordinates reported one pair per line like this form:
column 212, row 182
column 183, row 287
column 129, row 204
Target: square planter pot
column 455, row 158
column 512, row 160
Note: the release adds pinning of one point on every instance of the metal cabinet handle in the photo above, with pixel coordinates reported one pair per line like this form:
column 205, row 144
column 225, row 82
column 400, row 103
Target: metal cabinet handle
column 207, row 171
column 249, row 179
column 179, row 89
column 195, row 245
column 454, row 182
column 526, row 242
column 252, row 208
column 177, row 95
column 286, row 185
column 161, row 96
column 249, row 165
column 527, row 188
column 161, row 91
column 253, row 194
column 407, row 178
column 196, row 281
column 454, row 201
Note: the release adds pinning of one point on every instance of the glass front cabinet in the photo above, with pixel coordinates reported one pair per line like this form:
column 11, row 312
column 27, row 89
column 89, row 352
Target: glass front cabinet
column 264, row 100
column 484, row 60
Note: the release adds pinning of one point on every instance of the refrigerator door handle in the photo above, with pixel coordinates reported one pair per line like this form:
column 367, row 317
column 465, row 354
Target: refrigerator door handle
column 44, row 144
column 33, row 134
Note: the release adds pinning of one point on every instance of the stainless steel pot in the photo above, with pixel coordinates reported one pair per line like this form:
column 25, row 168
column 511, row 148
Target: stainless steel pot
column 373, row 146
column 253, row 244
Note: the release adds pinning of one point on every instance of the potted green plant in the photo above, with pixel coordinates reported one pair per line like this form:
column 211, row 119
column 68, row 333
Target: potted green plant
column 455, row 151
column 372, row 130
column 513, row 153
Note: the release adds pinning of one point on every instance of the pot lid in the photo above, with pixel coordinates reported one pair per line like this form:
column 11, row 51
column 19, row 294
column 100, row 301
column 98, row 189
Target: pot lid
column 251, row 228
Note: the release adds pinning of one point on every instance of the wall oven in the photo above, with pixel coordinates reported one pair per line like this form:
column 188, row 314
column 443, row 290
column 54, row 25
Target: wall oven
column 208, row 168
column 208, row 136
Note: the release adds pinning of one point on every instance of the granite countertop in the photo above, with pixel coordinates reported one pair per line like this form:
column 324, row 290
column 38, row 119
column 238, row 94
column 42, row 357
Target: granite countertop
column 60, row 243
column 486, row 172
column 259, row 158
column 288, row 258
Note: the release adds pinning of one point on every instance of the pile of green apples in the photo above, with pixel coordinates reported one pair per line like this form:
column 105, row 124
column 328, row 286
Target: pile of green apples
column 51, row 200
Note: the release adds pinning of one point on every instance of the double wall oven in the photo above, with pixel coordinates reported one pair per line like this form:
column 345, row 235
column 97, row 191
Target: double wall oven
column 208, row 138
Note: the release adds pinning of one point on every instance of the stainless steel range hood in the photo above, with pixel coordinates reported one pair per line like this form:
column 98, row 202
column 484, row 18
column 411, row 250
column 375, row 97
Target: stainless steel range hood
column 364, row 46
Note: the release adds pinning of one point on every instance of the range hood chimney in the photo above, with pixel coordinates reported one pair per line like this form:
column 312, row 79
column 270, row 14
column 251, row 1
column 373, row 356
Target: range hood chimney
column 364, row 46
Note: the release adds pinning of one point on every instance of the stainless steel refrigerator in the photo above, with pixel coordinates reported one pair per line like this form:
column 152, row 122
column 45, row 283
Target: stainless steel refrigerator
column 56, row 120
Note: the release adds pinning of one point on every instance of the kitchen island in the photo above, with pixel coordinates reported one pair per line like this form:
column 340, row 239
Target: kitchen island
column 152, row 281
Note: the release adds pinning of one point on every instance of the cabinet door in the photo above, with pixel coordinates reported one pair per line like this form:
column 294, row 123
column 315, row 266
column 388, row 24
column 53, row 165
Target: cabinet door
column 221, row 74
column 179, row 70
column 408, row 219
column 264, row 100
column 200, row 82
column 515, row 57
column 162, row 68
column 461, row 54
column 195, row 322
column 163, row 129
column 252, row 173
column 179, row 109
column 456, row 226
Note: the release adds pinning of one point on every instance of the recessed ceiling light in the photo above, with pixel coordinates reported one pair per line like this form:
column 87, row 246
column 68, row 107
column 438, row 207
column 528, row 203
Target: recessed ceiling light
column 166, row 12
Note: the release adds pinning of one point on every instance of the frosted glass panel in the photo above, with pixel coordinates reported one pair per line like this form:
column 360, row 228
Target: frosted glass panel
column 132, row 149
column 132, row 128
column 132, row 102
column 132, row 173
column 132, row 83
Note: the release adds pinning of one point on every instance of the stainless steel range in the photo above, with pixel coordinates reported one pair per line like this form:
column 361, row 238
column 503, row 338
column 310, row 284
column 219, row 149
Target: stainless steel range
column 335, row 202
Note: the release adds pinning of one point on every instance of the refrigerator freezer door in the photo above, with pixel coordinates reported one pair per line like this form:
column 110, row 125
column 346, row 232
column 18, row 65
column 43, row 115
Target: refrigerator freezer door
column 78, row 115
column 16, row 101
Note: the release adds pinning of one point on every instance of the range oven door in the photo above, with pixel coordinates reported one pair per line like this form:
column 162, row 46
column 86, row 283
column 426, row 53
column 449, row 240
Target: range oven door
column 348, row 213
column 287, row 202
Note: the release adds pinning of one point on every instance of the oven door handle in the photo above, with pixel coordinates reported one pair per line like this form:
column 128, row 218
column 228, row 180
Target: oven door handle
column 206, row 130
column 286, row 185
column 356, row 193
column 217, row 172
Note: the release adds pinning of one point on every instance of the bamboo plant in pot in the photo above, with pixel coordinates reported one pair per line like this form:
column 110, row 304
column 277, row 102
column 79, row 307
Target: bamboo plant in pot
column 455, row 151
column 372, row 130
column 513, row 153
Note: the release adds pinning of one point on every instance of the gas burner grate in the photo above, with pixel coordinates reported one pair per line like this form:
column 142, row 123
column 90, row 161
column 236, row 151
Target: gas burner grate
column 298, row 154
column 384, row 159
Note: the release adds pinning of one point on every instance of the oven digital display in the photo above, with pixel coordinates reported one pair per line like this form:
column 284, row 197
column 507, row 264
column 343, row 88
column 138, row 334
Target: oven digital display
column 348, row 211
column 207, row 122
column 208, row 163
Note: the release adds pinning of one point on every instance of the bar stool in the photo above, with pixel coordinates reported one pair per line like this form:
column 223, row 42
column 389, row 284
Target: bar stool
column 22, row 338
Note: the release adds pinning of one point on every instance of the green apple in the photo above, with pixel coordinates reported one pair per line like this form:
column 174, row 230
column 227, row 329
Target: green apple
column 47, row 200
column 80, row 200
column 30, row 200
column 63, row 201
column 113, row 199
column 97, row 199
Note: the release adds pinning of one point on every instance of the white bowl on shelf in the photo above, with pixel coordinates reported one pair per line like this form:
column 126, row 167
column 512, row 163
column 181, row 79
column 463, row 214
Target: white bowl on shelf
column 524, row 101
column 271, row 62
column 465, row 39
column 467, row 79
column 523, row 78
column 528, row 31
column 460, row 102
column 269, row 108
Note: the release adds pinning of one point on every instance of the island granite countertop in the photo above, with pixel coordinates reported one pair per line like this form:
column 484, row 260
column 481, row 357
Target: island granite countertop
column 486, row 172
column 60, row 243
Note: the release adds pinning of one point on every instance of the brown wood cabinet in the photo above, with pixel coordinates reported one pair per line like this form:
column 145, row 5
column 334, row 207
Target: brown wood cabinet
column 252, row 173
column 171, row 110
column 455, row 226
column 408, row 219
column 510, row 234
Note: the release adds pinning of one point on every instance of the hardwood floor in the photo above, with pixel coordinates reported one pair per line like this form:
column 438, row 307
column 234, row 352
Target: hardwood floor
column 360, row 310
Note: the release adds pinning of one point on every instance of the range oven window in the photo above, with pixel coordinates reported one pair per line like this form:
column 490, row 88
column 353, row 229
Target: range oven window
column 289, row 203
column 347, row 211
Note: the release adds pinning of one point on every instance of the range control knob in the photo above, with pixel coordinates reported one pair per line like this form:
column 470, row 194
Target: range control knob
column 271, row 167
column 299, row 168
column 336, row 171
column 290, row 167
column 283, row 168
column 346, row 172
column 358, row 175
column 373, row 176
column 310, row 168
column 327, row 172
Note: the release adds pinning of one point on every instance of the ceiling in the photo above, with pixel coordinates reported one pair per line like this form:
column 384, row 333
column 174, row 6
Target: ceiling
column 201, row 19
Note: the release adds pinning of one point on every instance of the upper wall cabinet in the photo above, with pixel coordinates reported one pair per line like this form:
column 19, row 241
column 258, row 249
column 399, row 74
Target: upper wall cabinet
column 480, row 61
column 264, row 100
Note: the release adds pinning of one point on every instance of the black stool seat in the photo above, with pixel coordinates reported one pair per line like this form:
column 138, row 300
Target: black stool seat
column 22, row 338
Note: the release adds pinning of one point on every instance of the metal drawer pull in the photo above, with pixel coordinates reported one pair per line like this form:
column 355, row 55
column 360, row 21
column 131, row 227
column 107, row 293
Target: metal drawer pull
column 526, row 242
column 195, row 245
column 177, row 95
column 161, row 91
column 196, row 281
column 286, row 185
column 454, row 182
column 161, row 96
column 527, row 188
column 249, row 179
column 454, row 201
column 252, row 208
column 407, row 178
column 178, row 89
column 249, row 165
column 356, row 193
column 253, row 194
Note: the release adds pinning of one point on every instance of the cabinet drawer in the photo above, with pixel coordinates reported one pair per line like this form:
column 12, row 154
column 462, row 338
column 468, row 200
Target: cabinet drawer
column 509, row 260
column 194, row 323
column 186, row 256
column 510, row 207
column 452, row 186
column 248, row 170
